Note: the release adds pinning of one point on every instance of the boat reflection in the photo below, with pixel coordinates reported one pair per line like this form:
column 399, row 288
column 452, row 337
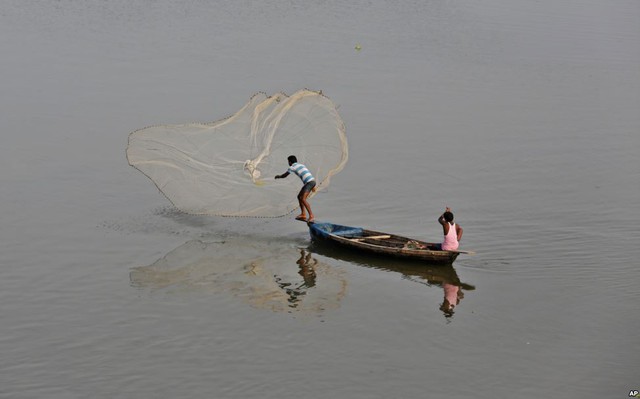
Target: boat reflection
column 268, row 275
column 443, row 276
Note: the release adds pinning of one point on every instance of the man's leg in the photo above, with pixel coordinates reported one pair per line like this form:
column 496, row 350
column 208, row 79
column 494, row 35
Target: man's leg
column 302, row 214
column 305, row 203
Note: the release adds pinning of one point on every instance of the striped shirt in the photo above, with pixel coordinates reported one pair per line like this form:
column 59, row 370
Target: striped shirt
column 302, row 172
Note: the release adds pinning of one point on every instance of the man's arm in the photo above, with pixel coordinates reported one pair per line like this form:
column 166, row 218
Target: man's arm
column 445, row 225
column 282, row 176
column 441, row 218
column 459, row 231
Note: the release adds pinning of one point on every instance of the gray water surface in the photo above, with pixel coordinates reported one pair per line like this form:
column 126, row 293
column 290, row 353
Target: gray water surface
column 522, row 116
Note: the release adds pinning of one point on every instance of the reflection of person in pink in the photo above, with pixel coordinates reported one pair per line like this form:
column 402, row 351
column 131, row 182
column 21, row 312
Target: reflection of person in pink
column 452, row 231
column 452, row 296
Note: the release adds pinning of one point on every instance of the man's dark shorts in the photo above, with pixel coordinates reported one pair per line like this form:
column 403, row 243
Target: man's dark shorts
column 308, row 187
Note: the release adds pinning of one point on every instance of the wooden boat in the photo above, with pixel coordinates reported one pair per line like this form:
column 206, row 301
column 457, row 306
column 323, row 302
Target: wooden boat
column 380, row 243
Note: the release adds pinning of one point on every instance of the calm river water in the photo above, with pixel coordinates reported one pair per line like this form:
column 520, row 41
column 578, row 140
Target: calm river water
column 522, row 116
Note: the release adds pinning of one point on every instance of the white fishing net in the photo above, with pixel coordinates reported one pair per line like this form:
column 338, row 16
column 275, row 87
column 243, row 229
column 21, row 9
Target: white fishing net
column 227, row 168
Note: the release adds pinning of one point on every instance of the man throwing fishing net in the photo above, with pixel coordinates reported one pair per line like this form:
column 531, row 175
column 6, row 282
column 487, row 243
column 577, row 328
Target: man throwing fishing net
column 309, row 184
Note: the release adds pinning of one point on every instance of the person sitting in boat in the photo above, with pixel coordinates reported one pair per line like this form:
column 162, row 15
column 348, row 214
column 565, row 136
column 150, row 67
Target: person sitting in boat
column 309, row 184
column 452, row 231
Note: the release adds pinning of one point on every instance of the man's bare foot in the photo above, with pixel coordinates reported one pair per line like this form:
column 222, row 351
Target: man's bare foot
column 301, row 217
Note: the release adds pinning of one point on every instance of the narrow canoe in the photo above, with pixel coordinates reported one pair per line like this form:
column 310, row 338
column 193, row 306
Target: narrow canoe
column 380, row 243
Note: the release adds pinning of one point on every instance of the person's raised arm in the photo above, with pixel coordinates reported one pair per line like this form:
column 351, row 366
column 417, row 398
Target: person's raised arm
column 441, row 220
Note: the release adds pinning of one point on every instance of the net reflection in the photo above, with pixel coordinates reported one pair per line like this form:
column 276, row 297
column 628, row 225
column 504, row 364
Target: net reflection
column 443, row 276
column 264, row 274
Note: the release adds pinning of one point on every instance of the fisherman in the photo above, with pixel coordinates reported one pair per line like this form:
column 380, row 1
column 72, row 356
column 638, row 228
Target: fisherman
column 452, row 231
column 309, row 184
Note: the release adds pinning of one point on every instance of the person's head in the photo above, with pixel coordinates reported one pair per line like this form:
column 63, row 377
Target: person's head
column 447, row 308
column 448, row 216
column 292, row 159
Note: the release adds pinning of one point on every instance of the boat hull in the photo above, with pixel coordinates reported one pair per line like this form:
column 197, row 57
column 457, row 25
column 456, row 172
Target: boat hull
column 379, row 243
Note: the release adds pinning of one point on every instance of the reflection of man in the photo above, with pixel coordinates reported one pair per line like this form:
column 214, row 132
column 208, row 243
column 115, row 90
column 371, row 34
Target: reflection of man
column 308, row 273
column 452, row 296
column 447, row 278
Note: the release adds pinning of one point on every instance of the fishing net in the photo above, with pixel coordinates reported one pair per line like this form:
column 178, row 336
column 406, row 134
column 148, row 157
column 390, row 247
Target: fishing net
column 227, row 168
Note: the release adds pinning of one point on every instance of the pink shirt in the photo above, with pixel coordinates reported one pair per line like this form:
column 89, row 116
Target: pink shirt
column 451, row 239
column 451, row 294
